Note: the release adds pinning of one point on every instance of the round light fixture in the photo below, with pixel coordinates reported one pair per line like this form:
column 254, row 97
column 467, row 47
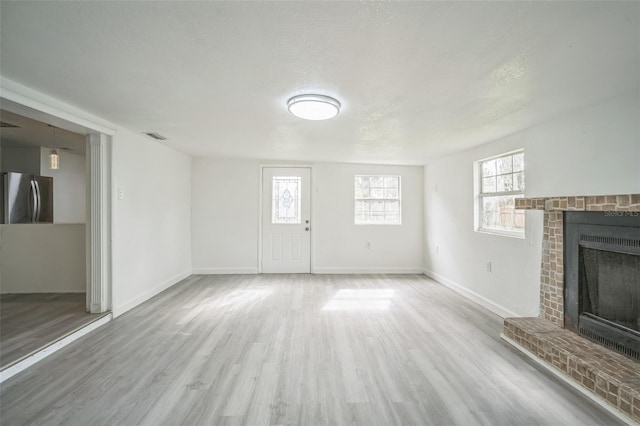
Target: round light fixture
column 313, row 107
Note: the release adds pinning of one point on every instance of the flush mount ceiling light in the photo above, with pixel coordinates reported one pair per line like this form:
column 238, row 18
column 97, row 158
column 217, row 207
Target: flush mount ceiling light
column 313, row 107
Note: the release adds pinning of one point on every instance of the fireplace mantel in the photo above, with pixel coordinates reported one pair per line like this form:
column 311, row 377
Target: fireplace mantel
column 611, row 376
column 618, row 203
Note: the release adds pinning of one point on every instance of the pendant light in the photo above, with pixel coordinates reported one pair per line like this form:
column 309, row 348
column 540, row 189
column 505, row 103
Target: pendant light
column 54, row 157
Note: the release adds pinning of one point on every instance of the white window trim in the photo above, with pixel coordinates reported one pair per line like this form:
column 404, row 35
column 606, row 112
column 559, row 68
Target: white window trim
column 479, row 195
column 399, row 199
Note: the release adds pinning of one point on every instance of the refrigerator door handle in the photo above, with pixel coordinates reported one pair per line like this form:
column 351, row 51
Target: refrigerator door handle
column 39, row 205
column 33, row 202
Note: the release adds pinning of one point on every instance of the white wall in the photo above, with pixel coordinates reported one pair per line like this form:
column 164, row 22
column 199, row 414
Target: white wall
column 456, row 255
column 225, row 217
column 42, row 258
column 588, row 152
column 339, row 246
column 595, row 151
column 152, row 224
column 69, row 186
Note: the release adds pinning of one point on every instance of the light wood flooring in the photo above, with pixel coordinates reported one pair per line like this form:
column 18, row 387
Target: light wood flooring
column 292, row 350
column 29, row 322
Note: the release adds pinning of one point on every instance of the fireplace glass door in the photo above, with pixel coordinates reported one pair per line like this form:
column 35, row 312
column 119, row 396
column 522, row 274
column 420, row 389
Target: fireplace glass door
column 610, row 286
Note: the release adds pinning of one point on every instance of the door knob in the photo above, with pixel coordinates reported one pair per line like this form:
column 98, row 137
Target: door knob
column 306, row 229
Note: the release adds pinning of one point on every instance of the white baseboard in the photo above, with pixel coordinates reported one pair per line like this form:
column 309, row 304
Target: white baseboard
column 501, row 311
column 119, row 310
column 224, row 271
column 360, row 270
column 563, row 377
column 54, row 347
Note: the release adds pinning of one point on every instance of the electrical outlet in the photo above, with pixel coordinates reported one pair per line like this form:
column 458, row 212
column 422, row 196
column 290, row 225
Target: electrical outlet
column 120, row 194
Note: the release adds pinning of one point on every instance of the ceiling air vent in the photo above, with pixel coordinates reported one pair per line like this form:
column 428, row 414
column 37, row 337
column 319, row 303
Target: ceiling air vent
column 5, row 124
column 156, row 136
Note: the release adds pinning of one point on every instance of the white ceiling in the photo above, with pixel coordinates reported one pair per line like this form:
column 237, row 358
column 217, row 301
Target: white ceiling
column 417, row 80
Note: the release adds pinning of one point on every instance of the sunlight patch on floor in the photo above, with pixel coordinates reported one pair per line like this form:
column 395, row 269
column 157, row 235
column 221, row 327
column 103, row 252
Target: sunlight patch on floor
column 236, row 298
column 360, row 300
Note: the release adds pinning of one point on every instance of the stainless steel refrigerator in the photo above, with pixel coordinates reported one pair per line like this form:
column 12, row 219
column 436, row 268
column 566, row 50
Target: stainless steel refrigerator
column 26, row 198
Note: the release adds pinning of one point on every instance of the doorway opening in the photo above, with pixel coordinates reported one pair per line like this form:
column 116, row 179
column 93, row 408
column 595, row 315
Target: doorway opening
column 54, row 274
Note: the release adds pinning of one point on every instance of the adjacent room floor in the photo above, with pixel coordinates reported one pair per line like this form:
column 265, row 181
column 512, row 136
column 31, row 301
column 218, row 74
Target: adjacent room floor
column 30, row 322
column 296, row 349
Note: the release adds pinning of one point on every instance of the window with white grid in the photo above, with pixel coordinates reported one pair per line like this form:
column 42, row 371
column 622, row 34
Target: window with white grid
column 501, row 181
column 377, row 200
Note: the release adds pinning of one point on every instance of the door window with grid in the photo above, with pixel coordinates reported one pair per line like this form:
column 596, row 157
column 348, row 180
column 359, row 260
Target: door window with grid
column 285, row 208
column 377, row 200
column 501, row 181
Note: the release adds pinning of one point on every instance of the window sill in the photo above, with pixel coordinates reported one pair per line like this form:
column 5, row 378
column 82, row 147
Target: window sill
column 511, row 234
column 378, row 224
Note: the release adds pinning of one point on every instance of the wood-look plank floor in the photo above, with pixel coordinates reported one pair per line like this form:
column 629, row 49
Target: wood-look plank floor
column 29, row 322
column 293, row 350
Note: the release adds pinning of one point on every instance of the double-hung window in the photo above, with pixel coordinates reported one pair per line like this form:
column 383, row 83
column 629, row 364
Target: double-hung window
column 377, row 200
column 500, row 182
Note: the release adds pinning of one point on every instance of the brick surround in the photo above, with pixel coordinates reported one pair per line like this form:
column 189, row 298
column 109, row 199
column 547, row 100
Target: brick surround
column 612, row 376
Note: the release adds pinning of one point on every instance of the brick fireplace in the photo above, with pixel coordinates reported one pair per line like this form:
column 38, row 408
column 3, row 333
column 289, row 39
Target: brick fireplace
column 610, row 375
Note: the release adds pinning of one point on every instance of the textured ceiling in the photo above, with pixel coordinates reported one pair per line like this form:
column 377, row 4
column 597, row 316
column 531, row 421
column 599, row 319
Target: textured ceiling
column 416, row 80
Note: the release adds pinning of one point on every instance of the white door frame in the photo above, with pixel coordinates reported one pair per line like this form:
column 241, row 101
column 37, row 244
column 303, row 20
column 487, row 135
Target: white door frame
column 260, row 211
column 38, row 106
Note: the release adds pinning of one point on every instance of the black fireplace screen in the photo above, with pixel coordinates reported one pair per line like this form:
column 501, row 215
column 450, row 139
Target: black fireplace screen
column 610, row 286
column 602, row 278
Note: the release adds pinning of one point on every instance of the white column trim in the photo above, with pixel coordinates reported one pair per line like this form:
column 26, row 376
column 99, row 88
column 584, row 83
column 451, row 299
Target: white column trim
column 98, row 235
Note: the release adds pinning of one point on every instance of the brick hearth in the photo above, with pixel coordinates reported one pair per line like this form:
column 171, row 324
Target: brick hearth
column 613, row 377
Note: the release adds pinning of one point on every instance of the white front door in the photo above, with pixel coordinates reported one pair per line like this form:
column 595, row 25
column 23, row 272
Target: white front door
column 286, row 221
